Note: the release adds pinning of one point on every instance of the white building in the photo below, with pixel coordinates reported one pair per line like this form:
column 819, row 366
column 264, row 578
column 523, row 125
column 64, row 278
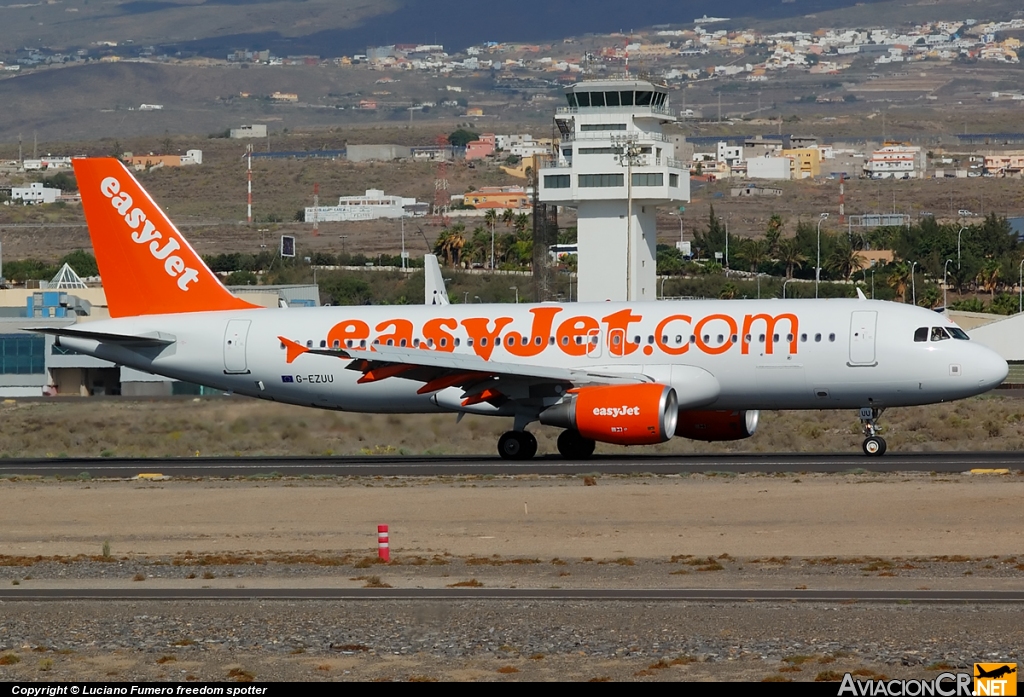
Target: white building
column 256, row 130
column 730, row 155
column 778, row 168
column 373, row 205
column 35, row 192
column 895, row 162
column 615, row 167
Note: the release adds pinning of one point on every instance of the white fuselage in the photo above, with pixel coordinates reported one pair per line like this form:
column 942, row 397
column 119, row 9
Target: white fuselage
column 763, row 354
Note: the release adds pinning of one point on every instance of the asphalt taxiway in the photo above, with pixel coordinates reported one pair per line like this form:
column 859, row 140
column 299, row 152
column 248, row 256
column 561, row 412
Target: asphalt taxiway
column 374, row 466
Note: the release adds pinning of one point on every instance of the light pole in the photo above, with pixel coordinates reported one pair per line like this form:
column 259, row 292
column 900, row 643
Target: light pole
column 465, row 298
column 727, row 244
column 403, row 238
column 516, row 289
column 758, row 285
column 913, row 285
column 962, row 228
column 872, row 284
column 629, row 156
column 817, row 268
column 1020, row 287
column 679, row 214
column 787, row 281
column 945, row 286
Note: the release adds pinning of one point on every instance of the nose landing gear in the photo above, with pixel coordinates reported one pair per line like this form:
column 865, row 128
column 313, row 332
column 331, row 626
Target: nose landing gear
column 874, row 445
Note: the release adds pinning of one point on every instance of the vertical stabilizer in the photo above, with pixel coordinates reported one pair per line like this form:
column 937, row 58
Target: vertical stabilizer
column 434, row 291
column 147, row 266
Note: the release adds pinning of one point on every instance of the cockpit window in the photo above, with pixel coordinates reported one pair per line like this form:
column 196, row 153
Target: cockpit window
column 958, row 333
column 939, row 334
column 921, row 334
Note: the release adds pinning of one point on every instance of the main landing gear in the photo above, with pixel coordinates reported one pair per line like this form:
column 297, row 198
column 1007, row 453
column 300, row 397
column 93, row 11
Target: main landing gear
column 874, row 445
column 517, row 445
column 573, row 446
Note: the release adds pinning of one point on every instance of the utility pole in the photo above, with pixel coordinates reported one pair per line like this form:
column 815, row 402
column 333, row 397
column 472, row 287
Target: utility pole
column 248, row 213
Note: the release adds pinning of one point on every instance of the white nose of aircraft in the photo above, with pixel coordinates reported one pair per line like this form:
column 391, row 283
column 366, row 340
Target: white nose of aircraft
column 987, row 367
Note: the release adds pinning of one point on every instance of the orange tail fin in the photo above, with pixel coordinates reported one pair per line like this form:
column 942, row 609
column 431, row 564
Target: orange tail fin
column 147, row 267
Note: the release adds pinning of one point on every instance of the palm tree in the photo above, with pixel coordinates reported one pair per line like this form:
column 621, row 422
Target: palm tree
column 491, row 217
column 521, row 225
column 449, row 244
column 898, row 279
column 988, row 277
column 844, row 261
column 774, row 233
column 790, row 255
column 755, row 253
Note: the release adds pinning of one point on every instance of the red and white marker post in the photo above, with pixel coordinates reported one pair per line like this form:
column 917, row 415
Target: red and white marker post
column 383, row 547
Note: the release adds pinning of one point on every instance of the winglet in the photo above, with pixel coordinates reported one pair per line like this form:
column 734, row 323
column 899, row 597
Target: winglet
column 293, row 349
column 434, row 292
column 147, row 266
column 860, row 295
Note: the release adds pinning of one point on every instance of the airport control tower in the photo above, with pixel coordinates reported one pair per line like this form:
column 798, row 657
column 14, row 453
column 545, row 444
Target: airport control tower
column 615, row 167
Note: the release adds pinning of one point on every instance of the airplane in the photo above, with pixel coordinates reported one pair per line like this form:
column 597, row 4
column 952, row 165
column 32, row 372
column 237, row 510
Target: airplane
column 611, row 372
column 995, row 672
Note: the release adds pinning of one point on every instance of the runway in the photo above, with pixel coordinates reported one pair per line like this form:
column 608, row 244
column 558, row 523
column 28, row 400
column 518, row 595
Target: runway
column 373, row 466
column 453, row 594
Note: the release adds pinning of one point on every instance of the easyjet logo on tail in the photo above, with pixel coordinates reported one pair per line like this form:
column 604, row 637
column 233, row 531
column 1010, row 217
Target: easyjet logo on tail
column 146, row 234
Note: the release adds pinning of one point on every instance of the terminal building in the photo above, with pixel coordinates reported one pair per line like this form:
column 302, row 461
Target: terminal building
column 615, row 166
column 31, row 365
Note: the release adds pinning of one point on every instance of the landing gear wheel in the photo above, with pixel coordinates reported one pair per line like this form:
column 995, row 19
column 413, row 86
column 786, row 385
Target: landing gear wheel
column 531, row 446
column 573, row 446
column 517, row 445
column 874, row 446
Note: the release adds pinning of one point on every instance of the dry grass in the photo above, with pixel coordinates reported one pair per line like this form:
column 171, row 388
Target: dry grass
column 828, row 676
column 471, row 583
column 236, row 427
column 508, row 669
column 241, row 675
column 166, row 659
column 372, row 582
column 9, row 659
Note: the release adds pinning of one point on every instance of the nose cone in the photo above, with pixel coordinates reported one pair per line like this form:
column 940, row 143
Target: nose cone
column 988, row 368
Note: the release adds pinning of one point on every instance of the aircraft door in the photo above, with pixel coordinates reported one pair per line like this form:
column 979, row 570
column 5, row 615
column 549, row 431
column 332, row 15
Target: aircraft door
column 235, row 337
column 862, row 338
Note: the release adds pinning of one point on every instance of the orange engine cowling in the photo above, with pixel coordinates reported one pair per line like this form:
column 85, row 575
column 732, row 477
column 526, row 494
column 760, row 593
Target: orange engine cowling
column 622, row 414
column 717, row 425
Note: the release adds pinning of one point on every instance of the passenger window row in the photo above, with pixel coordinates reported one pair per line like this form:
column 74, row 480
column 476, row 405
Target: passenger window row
column 615, row 340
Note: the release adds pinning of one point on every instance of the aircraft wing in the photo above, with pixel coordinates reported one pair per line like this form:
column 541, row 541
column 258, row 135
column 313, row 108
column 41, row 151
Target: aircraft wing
column 73, row 331
column 491, row 381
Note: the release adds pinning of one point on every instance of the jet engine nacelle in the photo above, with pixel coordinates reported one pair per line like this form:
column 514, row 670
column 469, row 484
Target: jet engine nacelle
column 717, row 425
column 640, row 414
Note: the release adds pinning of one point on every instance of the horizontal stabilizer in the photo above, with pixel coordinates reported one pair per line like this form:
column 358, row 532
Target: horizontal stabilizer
column 147, row 339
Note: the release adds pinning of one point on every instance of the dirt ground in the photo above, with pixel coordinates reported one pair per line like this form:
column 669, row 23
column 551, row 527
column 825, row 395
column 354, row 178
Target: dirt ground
column 538, row 517
column 854, row 531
